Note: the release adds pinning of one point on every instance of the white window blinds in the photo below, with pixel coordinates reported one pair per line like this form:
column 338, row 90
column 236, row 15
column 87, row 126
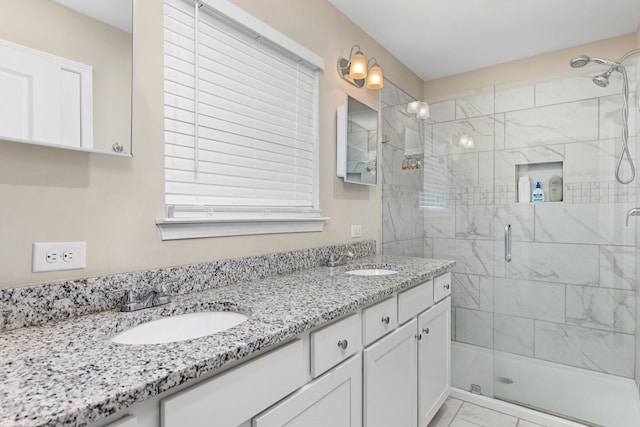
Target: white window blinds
column 240, row 115
column 434, row 194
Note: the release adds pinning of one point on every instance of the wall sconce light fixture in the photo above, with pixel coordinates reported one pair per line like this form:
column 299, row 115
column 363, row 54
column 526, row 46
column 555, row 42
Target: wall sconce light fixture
column 356, row 70
column 419, row 108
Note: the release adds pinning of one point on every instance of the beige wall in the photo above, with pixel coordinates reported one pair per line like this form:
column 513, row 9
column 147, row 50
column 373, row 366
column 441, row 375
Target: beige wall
column 532, row 68
column 49, row 195
column 46, row 26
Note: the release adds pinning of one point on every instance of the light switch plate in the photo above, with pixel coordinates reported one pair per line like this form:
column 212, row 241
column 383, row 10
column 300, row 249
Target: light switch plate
column 356, row 231
column 59, row 256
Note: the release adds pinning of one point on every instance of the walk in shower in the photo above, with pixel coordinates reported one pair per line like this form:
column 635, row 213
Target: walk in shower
column 555, row 328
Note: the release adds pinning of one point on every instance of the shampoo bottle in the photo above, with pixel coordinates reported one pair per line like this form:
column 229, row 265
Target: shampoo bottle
column 538, row 194
column 555, row 189
column 524, row 190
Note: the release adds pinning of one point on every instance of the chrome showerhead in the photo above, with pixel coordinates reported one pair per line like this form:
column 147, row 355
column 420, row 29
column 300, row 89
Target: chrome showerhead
column 582, row 60
column 579, row 61
column 601, row 80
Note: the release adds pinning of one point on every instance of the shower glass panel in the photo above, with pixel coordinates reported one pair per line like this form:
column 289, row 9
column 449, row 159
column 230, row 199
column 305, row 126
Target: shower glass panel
column 401, row 177
column 555, row 328
column 564, row 306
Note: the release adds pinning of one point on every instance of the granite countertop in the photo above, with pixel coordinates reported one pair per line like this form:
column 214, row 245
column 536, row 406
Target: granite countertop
column 69, row 373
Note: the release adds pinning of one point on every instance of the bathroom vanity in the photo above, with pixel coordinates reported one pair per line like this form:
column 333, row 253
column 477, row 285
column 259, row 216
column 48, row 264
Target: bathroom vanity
column 318, row 345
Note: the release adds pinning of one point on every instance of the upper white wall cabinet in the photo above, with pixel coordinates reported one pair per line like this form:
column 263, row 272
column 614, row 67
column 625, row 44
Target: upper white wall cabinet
column 66, row 80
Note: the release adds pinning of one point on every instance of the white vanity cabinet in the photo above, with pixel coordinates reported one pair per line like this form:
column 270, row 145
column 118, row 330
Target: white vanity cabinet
column 407, row 374
column 325, row 378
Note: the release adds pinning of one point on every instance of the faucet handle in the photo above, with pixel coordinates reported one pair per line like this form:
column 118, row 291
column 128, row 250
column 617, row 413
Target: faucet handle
column 162, row 296
column 127, row 303
column 127, row 297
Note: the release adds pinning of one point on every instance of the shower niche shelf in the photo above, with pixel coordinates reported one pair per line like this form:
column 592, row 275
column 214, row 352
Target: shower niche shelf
column 539, row 172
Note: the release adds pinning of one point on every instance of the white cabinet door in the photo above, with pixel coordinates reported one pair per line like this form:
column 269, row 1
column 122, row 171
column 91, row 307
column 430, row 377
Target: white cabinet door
column 390, row 379
column 44, row 98
column 334, row 399
column 434, row 360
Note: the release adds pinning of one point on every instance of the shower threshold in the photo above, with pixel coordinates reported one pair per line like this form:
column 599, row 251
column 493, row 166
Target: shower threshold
column 515, row 410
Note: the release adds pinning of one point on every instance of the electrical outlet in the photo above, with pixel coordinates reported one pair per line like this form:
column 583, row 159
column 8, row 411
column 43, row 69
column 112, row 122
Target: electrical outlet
column 59, row 256
column 68, row 256
column 52, row 257
column 356, row 231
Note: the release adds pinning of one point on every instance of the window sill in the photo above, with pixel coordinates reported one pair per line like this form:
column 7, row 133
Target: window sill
column 196, row 228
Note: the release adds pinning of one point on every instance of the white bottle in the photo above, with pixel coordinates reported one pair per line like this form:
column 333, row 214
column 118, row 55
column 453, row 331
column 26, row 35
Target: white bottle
column 555, row 189
column 524, row 189
column 538, row 194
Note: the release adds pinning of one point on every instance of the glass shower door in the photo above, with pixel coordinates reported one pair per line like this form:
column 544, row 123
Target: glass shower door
column 564, row 304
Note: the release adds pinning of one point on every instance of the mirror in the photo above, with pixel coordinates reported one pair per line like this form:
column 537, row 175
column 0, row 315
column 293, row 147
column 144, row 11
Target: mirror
column 66, row 74
column 357, row 140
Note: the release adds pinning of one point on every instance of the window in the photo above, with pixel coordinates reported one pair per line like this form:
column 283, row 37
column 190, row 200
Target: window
column 241, row 129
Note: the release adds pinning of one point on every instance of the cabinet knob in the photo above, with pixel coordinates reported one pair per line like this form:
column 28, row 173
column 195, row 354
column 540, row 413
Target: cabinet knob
column 419, row 337
column 447, row 286
column 343, row 344
column 386, row 320
column 426, row 331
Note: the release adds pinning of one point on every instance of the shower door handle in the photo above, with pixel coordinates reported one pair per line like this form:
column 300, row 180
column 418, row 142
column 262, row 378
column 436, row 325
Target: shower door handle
column 632, row 212
column 507, row 242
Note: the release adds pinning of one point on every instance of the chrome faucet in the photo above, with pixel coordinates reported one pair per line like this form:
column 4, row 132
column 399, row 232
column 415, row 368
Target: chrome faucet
column 340, row 260
column 154, row 298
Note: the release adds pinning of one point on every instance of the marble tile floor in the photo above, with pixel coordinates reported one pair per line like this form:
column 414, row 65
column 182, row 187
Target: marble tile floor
column 457, row 413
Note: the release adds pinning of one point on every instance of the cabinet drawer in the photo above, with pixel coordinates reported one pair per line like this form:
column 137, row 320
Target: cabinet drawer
column 236, row 395
column 334, row 343
column 334, row 399
column 414, row 301
column 442, row 286
column 379, row 319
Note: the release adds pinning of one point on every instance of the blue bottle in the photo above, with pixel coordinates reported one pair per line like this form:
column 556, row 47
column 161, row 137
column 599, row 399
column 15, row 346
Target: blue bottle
column 538, row 194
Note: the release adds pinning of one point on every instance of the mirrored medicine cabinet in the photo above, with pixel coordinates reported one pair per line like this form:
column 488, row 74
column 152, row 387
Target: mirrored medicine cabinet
column 66, row 74
column 357, row 142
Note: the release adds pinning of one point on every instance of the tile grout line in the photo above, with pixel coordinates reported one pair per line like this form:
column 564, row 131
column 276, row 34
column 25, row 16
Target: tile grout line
column 457, row 412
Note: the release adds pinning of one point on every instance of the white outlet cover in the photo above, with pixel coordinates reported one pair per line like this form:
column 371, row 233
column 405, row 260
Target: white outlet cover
column 40, row 251
column 356, row 231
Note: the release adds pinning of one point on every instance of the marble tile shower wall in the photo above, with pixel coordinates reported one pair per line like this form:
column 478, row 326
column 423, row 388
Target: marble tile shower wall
column 568, row 295
column 402, row 219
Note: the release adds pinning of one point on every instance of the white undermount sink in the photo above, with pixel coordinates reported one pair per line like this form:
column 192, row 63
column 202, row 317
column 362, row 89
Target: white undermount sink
column 180, row 327
column 371, row 272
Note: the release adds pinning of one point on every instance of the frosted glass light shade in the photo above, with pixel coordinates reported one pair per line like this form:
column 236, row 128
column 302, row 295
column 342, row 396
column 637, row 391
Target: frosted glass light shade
column 423, row 111
column 412, row 107
column 375, row 80
column 465, row 141
column 358, row 68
